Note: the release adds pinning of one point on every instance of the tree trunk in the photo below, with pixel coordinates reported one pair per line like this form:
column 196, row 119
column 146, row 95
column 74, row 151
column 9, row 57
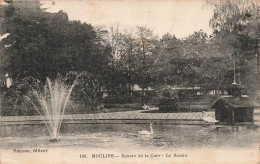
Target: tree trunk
column 142, row 100
column 258, row 68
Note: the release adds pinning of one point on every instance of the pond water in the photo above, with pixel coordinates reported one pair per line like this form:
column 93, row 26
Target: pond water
column 116, row 136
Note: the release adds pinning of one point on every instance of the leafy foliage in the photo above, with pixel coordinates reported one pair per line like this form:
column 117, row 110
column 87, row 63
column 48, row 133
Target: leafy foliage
column 13, row 101
column 43, row 44
column 168, row 98
column 89, row 89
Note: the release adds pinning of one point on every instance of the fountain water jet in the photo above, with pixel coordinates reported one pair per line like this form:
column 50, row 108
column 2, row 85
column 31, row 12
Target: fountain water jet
column 51, row 104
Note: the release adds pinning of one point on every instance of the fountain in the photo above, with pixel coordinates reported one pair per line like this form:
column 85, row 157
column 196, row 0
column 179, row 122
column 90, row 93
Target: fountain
column 51, row 104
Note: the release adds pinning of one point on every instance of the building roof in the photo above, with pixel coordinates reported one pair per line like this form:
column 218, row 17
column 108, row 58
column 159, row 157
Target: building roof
column 243, row 101
column 179, row 87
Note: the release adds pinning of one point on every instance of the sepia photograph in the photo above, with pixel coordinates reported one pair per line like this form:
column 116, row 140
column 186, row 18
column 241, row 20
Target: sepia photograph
column 130, row 81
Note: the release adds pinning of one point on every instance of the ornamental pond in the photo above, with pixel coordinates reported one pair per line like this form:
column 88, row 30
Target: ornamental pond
column 119, row 136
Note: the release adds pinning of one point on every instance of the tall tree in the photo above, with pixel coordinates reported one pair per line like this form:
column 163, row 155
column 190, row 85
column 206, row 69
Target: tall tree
column 43, row 44
column 239, row 20
column 147, row 51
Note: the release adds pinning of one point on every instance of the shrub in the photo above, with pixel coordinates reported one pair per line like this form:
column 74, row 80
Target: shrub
column 168, row 98
column 89, row 89
column 14, row 103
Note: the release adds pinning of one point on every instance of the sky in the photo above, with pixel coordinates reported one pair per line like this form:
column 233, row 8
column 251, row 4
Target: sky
column 180, row 18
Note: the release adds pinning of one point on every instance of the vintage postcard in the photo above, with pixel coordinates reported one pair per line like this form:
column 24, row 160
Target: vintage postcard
column 129, row 81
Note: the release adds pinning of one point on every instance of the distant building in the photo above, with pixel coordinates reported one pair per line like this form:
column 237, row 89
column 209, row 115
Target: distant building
column 187, row 93
column 137, row 88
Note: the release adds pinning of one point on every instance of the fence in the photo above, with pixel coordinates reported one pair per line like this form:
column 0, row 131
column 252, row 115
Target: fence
column 131, row 115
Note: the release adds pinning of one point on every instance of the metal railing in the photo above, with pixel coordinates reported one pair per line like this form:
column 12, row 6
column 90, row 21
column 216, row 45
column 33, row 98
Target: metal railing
column 116, row 116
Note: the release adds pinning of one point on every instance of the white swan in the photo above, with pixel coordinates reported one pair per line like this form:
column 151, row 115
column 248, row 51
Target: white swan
column 145, row 106
column 208, row 119
column 145, row 132
column 4, row 36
